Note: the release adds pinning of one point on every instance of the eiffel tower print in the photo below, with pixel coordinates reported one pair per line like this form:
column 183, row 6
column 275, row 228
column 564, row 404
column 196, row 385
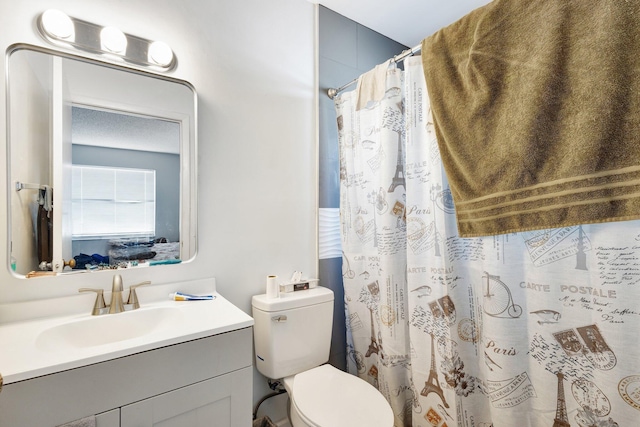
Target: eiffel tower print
column 374, row 347
column 432, row 385
column 398, row 178
column 581, row 257
column 561, row 419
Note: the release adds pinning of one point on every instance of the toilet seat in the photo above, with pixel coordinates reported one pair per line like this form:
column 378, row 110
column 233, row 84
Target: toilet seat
column 327, row 397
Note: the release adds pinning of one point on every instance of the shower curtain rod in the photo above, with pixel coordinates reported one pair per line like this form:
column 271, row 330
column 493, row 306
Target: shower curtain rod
column 409, row 52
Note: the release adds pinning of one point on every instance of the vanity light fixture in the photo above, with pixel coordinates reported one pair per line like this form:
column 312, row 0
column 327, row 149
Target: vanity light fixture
column 62, row 30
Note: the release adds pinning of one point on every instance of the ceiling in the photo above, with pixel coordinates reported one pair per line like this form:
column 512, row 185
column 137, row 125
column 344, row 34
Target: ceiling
column 405, row 21
column 124, row 131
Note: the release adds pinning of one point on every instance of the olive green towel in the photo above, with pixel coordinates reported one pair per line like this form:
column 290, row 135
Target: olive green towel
column 536, row 105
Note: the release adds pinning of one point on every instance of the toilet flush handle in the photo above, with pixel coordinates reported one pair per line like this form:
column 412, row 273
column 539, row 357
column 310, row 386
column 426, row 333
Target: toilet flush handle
column 281, row 318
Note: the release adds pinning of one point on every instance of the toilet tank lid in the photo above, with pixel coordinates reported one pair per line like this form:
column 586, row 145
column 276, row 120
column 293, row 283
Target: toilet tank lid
column 289, row 300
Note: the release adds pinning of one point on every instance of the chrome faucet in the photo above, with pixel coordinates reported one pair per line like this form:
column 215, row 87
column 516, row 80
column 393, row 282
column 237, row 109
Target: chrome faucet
column 117, row 304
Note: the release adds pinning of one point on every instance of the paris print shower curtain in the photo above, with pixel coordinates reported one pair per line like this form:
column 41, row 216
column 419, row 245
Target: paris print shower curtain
column 535, row 329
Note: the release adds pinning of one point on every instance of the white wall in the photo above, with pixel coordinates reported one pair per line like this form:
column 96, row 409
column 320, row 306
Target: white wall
column 252, row 63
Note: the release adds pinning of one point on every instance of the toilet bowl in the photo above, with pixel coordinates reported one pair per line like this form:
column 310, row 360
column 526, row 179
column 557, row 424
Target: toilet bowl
column 327, row 397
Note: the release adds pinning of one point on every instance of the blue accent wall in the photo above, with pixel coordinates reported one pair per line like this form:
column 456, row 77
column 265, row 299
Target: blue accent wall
column 346, row 50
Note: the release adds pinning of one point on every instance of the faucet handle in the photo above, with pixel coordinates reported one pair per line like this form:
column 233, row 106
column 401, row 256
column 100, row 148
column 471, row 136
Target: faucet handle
column 133, row 296
column 99, row 304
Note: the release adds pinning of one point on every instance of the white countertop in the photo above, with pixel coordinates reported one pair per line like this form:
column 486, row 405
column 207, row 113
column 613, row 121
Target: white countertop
column 24, row 354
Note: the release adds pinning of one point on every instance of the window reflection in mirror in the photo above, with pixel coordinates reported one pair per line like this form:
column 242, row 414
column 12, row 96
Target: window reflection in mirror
column 105, row 158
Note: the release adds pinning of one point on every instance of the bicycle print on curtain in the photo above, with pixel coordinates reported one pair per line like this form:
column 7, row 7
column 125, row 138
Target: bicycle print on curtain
column 531, row 329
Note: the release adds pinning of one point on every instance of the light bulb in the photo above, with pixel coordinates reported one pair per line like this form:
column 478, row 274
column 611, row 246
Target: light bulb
column 113, row 40
column 160, row 53
column 58, row 25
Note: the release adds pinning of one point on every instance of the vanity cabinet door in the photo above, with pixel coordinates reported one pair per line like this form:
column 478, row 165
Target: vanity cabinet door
column 221, row 401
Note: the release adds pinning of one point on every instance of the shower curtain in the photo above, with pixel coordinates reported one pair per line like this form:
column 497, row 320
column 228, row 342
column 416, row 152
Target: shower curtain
column 536, row 329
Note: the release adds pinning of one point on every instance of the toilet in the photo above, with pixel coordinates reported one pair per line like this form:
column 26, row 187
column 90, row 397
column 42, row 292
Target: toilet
column 292, row 336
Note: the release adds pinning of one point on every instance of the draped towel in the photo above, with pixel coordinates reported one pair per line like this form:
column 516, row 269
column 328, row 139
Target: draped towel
column 44, row 236
column 536, row 105
column 371, row 85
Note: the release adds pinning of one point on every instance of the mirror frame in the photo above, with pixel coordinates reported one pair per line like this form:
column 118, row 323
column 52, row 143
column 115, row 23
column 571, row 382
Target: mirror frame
column 188, row 163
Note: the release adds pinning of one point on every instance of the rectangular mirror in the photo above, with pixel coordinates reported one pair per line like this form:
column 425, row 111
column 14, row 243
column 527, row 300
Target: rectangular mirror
column 102, row 165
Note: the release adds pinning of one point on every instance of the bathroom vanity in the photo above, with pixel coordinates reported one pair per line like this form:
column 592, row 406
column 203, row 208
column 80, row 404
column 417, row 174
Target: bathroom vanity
column 174, row 363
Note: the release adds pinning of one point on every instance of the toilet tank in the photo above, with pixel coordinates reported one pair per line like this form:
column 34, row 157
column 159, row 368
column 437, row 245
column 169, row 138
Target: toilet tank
column 292, row 333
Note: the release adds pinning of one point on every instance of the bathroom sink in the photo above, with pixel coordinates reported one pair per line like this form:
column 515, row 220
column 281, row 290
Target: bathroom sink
column 94, row 331
column 56, row 343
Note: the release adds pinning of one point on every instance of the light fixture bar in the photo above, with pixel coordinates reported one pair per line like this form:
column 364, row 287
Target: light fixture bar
column 62, row 30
